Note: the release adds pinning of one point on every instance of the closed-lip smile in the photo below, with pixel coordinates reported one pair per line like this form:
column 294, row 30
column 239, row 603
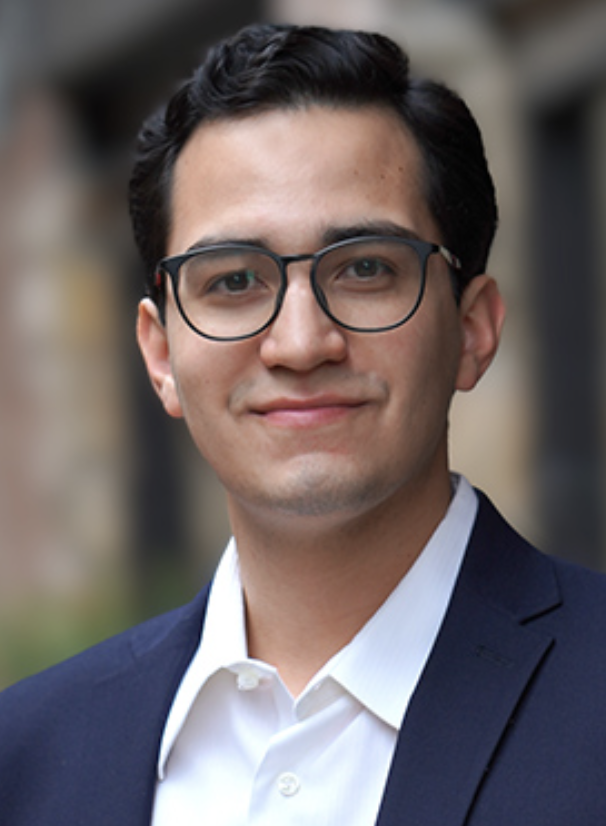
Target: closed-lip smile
column 306, row 412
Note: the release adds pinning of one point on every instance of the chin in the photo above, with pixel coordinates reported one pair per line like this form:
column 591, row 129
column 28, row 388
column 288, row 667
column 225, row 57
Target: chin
column 321, row 494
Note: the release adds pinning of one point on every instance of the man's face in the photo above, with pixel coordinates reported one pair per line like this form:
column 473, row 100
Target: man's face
column 307, row 419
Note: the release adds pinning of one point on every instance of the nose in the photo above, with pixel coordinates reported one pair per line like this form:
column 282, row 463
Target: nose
column 302, row 337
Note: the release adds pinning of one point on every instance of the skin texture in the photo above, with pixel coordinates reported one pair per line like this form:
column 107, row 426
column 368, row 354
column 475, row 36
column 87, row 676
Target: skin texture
column 331, row 445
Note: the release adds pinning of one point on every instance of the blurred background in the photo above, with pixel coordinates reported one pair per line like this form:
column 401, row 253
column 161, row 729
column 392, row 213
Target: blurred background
column 107, row 515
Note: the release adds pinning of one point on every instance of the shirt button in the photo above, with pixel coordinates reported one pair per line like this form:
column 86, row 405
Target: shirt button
column 248, row 680
column 288, row 784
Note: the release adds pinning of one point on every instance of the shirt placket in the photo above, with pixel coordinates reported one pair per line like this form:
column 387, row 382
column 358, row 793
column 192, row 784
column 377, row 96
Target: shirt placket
column 285, row 788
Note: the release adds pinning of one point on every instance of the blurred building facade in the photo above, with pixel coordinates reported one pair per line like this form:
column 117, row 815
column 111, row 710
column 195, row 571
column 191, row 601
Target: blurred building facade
column 99, row 493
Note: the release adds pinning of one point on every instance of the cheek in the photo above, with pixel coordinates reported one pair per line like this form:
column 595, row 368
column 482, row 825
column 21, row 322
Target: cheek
column 423, row 365
column 206, row 373
column 200, row 389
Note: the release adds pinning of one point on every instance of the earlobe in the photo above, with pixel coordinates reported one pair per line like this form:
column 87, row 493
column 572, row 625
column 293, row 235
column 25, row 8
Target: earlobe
column 153, row 343
column 482, row 314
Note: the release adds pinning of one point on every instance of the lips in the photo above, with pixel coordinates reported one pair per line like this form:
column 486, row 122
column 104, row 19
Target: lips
column 307, row 412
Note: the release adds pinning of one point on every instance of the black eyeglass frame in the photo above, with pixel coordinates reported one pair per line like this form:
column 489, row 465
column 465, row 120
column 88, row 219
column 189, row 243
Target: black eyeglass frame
column 424, row 250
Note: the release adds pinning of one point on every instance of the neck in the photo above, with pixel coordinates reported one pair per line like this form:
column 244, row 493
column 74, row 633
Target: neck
column 310, row 584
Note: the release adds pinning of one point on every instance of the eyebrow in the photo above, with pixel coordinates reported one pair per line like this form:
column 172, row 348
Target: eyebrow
column 221, row 240
column 331, row 235
column 388, row 229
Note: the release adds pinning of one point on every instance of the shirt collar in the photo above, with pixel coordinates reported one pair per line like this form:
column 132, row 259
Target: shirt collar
column 393, row 646
column 396, row 642
column 223, row 643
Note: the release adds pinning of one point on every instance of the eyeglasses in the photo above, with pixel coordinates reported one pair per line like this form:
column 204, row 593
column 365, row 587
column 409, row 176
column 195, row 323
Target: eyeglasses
column 229, row 292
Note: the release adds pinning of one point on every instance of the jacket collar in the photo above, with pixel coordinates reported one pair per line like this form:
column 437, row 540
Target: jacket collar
column 486, row 654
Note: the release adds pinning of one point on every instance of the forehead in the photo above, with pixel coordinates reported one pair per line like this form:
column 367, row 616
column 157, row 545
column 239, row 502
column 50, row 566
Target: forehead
column 287, row 175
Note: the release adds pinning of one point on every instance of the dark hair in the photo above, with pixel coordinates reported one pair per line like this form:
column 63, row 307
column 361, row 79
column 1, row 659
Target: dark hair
column 266, row 67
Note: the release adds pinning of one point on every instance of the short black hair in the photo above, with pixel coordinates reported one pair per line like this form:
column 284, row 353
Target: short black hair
column 265, row 67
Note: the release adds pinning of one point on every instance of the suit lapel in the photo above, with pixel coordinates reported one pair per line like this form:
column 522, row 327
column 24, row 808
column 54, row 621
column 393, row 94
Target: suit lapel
column 482, row 662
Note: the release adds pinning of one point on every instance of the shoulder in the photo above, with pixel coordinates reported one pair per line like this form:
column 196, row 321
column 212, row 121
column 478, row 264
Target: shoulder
column 161, row 643
column 66, row 739
column 495, row 541
column 538, row 590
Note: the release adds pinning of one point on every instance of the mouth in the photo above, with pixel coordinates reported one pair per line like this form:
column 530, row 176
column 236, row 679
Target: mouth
column 306, row 413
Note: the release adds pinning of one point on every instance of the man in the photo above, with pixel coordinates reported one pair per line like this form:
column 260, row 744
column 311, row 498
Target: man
column 378, row 646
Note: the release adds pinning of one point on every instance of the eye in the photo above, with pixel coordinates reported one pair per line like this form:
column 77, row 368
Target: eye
column 367, row 271
column 367, row 268
column 239, row 281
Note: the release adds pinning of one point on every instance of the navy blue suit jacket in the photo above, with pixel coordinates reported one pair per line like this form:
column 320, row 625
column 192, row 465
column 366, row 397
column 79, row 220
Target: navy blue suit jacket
column 507, row 726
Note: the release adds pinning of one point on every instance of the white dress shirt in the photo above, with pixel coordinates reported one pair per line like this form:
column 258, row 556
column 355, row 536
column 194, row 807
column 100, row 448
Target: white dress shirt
column 239, row 749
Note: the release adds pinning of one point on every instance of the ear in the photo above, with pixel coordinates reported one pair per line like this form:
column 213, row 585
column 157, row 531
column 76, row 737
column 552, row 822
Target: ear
column 153, row 343
column 482, row 313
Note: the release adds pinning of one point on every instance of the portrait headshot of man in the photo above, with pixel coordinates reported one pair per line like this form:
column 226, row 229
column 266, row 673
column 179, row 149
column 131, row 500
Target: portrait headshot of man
column 377, row 644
